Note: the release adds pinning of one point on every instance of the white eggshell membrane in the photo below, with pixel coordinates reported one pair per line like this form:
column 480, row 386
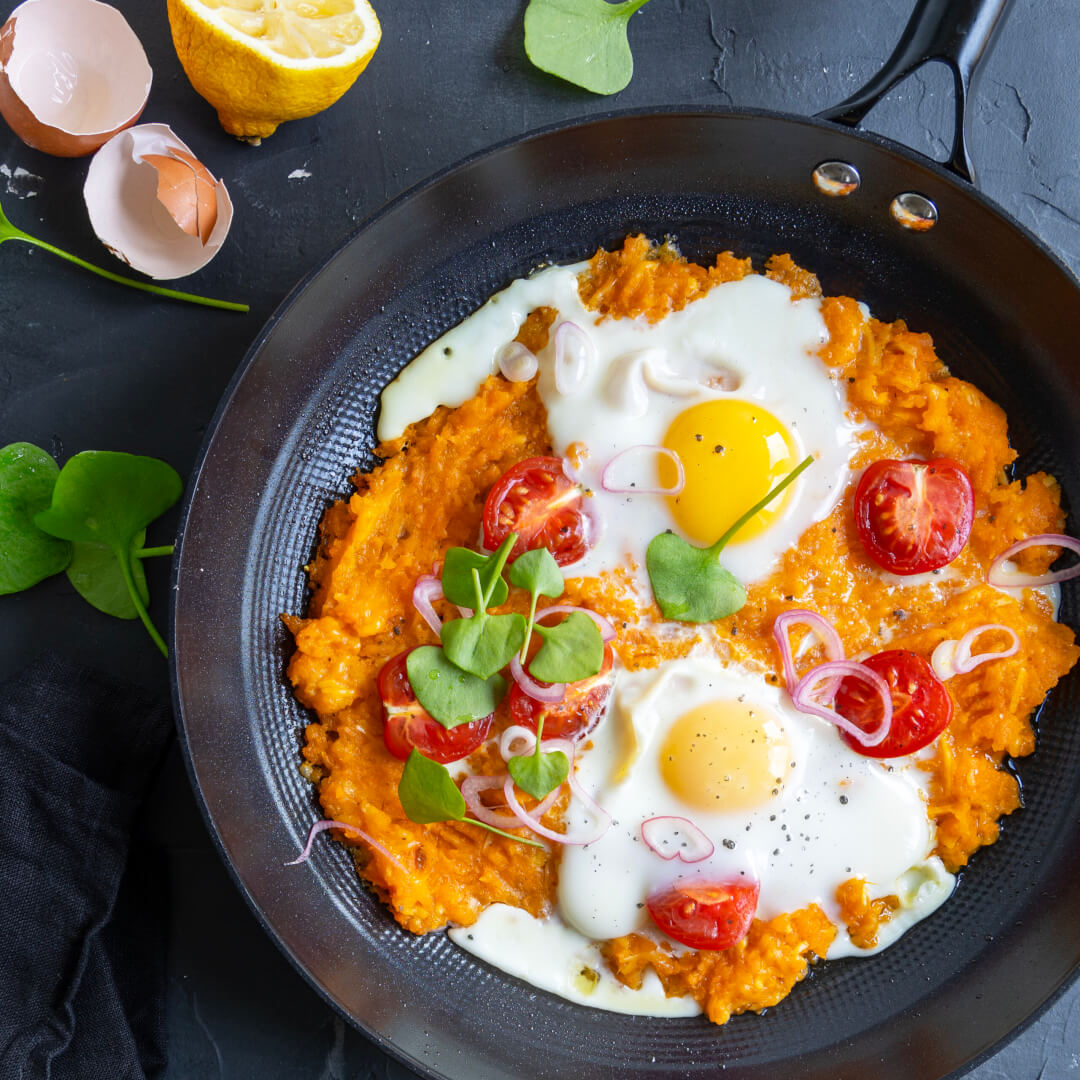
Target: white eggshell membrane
column 78, row 67
column 121, row 194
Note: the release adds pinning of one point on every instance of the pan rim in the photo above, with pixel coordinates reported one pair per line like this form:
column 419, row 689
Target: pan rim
column 289, row 301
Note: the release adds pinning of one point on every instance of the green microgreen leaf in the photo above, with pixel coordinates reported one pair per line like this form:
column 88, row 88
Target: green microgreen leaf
column 540, row 773
column 582, row 41
column 483, row 644
column 572, row 650
column 428, row 794
column 107, row 498
column 688, row 582
column 451, row 696
column 96, row 574
column 10, row 232
column 27, row 554
column 538, row 572
column 457, row 574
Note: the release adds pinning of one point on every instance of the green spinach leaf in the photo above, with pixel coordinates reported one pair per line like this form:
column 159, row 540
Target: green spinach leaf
column 688, row 582
column 539, row 774
column 27, row 554
column 428, row 794
column 582, row 41
column 108, row 498
column 457, row 582
column 538, row 572
column 483, row 644
column 451, row 696
column 96, row 574
column 572, row 650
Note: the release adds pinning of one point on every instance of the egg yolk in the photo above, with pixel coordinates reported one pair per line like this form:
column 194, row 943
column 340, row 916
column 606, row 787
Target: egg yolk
column 733, row 452
column 725, row 755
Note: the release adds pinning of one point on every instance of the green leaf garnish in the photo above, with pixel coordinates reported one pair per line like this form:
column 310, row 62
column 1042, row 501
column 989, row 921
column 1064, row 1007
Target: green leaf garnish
column 108, row 499
column 95, row 572
column 428, row 794
column 10, row 232
column 451, row 696
column 457, row 582
column 688, row 582
column 572, row 650
column 538, row 572
column 27, row 554
column 539, row 774
column 582, row 41
column 483, row 644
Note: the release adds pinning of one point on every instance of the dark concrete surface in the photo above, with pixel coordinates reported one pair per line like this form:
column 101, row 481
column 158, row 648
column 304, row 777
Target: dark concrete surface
column 84, row 364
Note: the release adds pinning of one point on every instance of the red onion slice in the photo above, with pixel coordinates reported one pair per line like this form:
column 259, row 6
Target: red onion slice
column 547, row 693
column 517, row 363
column 1002, row 580
column 428, row 588
column 327, row 823
column 955, row 658
column 516, row 733
column 826, row 632
column 607, row 630
column 574, row 352
column 471, row 787
column 803, row 697
column 676, row 838
column 603, row 817
column 608, row 480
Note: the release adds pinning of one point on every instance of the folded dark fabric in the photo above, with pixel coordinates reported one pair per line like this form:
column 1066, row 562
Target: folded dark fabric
column 82, row 913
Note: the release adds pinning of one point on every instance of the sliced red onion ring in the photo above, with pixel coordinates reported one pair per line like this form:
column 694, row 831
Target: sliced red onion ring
column 1003, row 580
column 515, row 733
column 428, row 588
column 803, row 697
column 830, row 639
column 327, row 823
column 603, row 817
column 517, row 363
column 676, row 838
column 473, row 785
column 607, row 630
column 549, row 694
column 955, row 658
column 608, row 480
column 574, row 352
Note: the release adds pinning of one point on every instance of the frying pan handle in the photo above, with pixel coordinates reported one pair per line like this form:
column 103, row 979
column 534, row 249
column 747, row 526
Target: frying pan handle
column 958, row 32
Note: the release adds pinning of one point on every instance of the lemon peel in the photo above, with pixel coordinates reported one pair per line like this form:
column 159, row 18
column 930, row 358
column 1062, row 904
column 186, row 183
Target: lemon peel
column 262, row 62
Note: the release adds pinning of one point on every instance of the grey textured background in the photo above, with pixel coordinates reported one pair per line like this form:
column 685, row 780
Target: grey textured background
column 87, row 365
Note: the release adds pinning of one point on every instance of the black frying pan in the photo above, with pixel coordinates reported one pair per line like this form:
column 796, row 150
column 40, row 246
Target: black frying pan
column 300, row 416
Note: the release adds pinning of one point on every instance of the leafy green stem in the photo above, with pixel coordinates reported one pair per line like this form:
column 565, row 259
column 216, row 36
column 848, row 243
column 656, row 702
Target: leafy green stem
column 136, row 599
column 10, row 232
column 803, row 465
column 499, row 832
column 154, row 552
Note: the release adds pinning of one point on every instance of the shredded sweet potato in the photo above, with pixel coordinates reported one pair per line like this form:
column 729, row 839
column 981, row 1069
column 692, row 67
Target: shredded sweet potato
column 428, row 494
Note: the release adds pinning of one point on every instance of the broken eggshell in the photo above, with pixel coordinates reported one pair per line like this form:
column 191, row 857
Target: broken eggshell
column 72, row 74
column 154, row 205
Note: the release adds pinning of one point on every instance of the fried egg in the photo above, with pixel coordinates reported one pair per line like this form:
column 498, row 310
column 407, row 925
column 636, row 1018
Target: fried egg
column 732, row 384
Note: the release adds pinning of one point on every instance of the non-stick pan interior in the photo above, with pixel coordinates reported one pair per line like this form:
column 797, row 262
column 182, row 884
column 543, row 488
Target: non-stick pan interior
column 299, row 419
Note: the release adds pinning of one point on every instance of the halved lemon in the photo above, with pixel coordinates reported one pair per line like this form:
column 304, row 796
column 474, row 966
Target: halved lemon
column 261, row 62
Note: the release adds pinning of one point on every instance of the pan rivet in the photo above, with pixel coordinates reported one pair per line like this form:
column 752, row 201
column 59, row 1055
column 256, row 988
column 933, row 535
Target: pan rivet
column 914, row 211
column 836, row 178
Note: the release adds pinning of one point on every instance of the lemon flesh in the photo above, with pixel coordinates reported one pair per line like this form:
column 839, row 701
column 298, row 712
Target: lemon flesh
column 261, row 62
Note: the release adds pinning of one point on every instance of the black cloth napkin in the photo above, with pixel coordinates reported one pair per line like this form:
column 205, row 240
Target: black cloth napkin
column 82, row 909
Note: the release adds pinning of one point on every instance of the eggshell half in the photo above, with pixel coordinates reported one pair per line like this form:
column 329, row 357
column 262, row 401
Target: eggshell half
column 154, row 205
column 72, row 74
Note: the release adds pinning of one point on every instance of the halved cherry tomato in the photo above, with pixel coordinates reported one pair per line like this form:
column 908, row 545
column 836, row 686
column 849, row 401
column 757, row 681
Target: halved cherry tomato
column 538, row 501
column 914, row 516
column 922, row 707
column 705, row 915
column 407, row 724
column 577, row 713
